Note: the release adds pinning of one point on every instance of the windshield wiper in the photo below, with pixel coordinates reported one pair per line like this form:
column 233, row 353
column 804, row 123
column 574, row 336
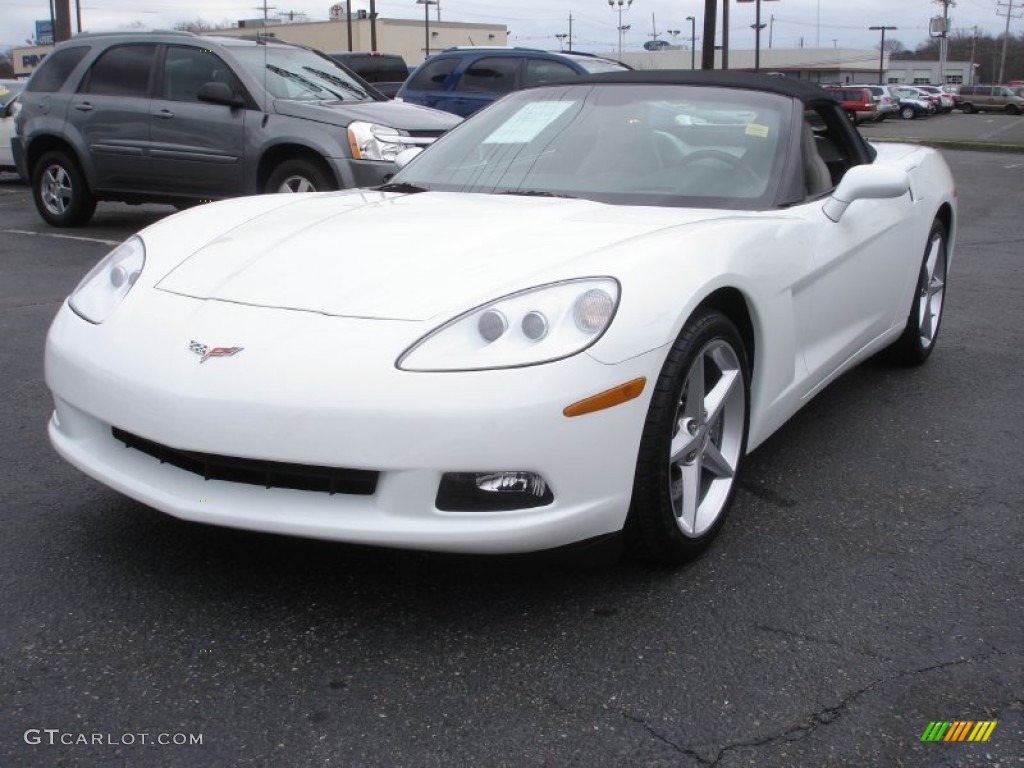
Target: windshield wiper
column 401, row 186
column 536, row 193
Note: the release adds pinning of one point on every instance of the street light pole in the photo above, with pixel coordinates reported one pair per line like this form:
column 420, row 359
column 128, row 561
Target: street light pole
column 881, row 52
column 426, row 25
column 620, row 3
column 693, row 41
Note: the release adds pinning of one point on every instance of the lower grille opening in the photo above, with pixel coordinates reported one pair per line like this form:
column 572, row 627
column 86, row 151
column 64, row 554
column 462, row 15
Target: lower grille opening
column 269, row 474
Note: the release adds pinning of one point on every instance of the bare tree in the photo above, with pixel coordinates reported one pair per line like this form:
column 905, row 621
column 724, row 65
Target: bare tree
column 199, row 26
column 6, row 65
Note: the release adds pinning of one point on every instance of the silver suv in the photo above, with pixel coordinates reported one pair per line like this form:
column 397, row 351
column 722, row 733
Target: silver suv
column 179, row 118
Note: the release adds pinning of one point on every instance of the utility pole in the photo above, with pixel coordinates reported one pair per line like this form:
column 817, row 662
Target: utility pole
column 881, row 52
column 1006, row 35
column 693, row 41
column 707, row 54
column 62, row 14
column 725, row 33
column 974, row 44
column 944, row 38
column 570, row 33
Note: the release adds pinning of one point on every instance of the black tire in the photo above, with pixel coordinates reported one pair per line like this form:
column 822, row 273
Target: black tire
column 967, row 109
column 299, row 175
column 908, row 113
column 916, row 343
column 60, row 191
column 682, row 440
column 1012, row 109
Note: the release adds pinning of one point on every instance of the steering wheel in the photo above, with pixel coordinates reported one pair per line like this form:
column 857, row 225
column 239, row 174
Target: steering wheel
column 723, row 157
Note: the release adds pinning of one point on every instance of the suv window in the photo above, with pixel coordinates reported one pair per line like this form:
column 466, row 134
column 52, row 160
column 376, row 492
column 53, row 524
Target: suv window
column 121, row 71
column 431, row 76
column 187, row 69
column 493, row 75
column 55, row 70
column 544, row 71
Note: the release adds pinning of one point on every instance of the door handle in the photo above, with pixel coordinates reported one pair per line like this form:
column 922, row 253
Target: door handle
column 163, row 114
column 85, row 106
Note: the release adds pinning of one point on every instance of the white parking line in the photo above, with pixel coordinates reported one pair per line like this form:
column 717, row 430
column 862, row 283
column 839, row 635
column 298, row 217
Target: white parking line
column 60, row 237
column 1015, row 165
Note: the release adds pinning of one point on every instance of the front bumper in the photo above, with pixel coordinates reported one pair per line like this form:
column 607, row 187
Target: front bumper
column 322, row 390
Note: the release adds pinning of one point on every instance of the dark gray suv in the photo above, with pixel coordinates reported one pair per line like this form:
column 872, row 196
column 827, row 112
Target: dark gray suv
column 179, row 118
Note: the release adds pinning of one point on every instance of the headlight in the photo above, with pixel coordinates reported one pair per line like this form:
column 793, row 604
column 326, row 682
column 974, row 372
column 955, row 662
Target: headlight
column 106, row 285
column 369, row 141
column 534, row 326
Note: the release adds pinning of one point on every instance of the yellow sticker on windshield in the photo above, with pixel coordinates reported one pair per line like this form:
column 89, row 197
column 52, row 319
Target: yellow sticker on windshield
column 761, row 131
column 4, row 91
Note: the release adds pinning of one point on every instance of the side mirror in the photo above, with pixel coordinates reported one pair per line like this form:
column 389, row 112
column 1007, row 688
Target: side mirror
column 866, row 182
column 404, row 157
column 219, row 93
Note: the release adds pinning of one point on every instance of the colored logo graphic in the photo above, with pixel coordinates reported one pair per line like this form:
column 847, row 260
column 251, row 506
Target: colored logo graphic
column 958, row 730
column 205, row 352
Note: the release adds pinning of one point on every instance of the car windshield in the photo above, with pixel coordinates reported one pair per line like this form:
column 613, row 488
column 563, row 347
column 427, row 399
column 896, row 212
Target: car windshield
column 299, row 74
column 9, row 91
column 665, row 145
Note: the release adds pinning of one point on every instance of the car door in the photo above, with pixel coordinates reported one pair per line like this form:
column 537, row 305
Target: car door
column 110, row 112
column 861, row 263
column 483, row 81
column 197, row 148
column 429, row 85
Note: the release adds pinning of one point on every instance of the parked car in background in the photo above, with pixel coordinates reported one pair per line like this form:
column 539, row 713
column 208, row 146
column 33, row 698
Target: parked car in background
column 991, row 98
column 917, row 93
column 913, row 103
column 954, row 93
column 942, row 100
column 886, row 103
column 462, row 80
column 574, row 315
column 9, row 106
column 384, row 71
column 858, row 102
column 179, row 118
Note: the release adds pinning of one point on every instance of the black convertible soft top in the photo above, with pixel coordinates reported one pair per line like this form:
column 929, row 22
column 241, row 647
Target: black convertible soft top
column 804, row 90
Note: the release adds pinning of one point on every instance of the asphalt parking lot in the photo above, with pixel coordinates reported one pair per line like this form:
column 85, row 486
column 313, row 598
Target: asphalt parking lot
column 867, row 583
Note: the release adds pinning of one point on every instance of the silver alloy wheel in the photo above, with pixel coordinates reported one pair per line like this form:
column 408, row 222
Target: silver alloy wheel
column 707, row 438
column 296, row 183
column 933, row 290
column 56, row 191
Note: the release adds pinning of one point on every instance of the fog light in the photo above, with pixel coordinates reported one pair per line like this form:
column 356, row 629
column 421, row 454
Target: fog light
column 492, row 491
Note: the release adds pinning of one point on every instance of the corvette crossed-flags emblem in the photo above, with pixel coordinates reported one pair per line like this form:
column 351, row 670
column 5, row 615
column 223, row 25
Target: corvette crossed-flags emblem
column 205, row 352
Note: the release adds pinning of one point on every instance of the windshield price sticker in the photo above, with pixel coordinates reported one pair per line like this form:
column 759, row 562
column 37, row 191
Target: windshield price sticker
column 528, row 122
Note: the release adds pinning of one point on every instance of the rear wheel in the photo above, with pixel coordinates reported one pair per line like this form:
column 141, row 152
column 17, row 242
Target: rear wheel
column 1012, row 109
column 299, row 175
column 922, row 328
column 693, row 443
column 907, row 113
column 968, row 109
column 60, row 192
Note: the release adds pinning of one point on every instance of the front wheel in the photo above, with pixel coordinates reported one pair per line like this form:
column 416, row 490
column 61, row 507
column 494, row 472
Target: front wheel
column 907, row 113
column 693, row 443
column 922, row 328
column 60, row 192
column 967, row 109
column 299, row 175
column 1012, row 109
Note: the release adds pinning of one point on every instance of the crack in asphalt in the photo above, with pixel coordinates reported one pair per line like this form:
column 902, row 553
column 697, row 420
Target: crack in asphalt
column 822, row 717
column 820, row 640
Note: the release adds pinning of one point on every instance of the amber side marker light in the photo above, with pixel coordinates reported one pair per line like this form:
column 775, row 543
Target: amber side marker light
column 607, row 399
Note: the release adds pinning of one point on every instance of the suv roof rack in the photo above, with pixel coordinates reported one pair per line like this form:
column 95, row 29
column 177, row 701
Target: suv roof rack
column 116, row 32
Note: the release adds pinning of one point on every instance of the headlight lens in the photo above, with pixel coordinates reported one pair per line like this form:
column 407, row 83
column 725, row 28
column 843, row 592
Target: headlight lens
column 535, row 326
column 106, row 285
column 369, row 141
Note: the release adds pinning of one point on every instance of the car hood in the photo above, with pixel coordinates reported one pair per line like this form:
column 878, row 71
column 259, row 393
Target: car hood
column 411, row 257
column 396, row 114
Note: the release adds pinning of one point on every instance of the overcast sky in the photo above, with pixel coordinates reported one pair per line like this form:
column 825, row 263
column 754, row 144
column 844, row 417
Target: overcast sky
column 535, row 23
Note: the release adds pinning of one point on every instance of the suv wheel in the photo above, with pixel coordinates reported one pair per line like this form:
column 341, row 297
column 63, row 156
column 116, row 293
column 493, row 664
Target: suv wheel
column 299, row 175
column 1012, row 109
column 59, row 191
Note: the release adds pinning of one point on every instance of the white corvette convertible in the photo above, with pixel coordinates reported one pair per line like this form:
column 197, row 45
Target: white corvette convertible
column 572, row 316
